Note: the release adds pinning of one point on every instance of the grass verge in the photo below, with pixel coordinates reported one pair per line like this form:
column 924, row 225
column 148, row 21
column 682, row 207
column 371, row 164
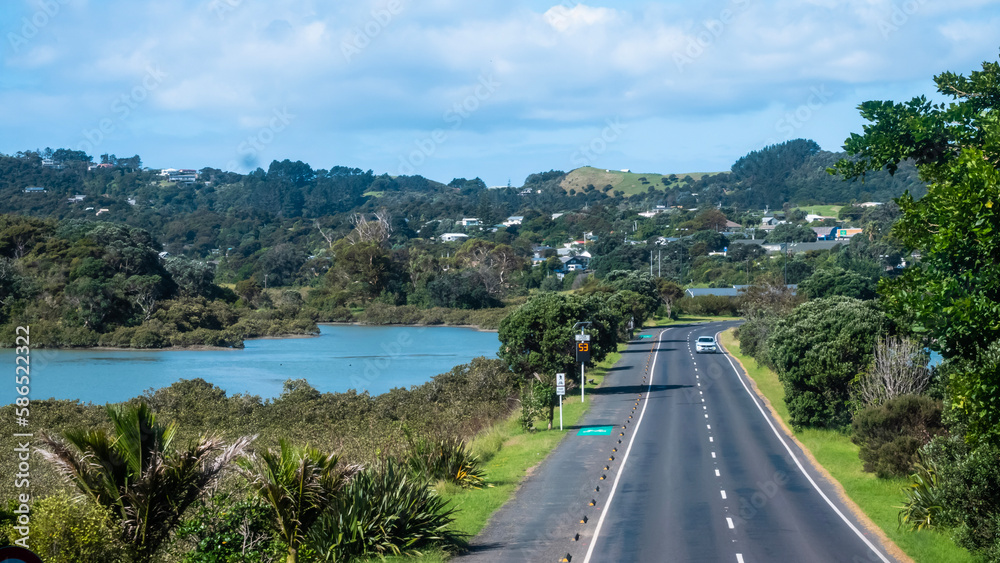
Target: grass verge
column 509, row 454
column 834, row 451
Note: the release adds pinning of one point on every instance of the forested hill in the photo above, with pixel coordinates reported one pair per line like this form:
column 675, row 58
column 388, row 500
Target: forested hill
column 225, row 210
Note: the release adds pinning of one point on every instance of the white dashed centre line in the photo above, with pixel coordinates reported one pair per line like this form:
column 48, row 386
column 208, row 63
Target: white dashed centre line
column 723, row 495
column 730, row 522
column 739, row 558
column 717, row 474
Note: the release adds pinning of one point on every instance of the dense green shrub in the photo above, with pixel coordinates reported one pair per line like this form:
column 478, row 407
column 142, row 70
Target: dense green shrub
column 224, row 530
column 891, row 434
column 382, row 511
column 708, row 305
column 969, row 492
column 71, row 529
column 817, row 351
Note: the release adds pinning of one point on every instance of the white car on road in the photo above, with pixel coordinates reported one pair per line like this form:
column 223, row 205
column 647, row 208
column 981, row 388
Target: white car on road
column 705, row 344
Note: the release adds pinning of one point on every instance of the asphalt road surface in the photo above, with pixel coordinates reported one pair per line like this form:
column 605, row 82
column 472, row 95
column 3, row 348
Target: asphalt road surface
column 700, row 472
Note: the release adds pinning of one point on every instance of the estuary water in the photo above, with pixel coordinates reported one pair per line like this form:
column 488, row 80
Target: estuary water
column 367, row 358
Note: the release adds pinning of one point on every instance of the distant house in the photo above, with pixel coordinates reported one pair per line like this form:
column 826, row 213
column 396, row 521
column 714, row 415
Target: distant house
column 825, row 233
column 34, row 190
column 513, row 220
column 870, row 204
column 846, row 234
column 662, row 241
column 768, row 221
column 811, row 217
column 77, row 198
column 469, row 222
column 164, row 255
column 180, row 176
column 574, row 263
column 732, row 227
column 540, row 251
column 52, row 164
column 103, row 210
column 100, row 166
column 452, row 237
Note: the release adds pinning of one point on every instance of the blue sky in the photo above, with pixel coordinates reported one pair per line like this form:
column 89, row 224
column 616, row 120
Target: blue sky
column 444, row 88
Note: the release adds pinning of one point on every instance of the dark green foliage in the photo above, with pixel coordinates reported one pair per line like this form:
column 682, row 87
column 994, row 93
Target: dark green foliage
column 890, row 434
column 708, row 305
column 952, row 294
column 817, row 351
column 829, row 282
column 461, row 291
column 382, row 511
column 969, row 492
column 225, row 530
column 789, row 232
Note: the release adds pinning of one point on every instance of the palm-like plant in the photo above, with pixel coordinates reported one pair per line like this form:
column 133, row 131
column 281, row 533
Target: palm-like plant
column 298, row 484
column 134, row 472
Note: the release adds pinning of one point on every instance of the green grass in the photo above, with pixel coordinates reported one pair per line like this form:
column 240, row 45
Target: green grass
column 509, row 453
column 824, row 210
column 878, row 498
column 628, row 182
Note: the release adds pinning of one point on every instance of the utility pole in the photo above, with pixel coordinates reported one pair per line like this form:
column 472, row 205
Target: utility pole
column 582, row 340
column 659, row 263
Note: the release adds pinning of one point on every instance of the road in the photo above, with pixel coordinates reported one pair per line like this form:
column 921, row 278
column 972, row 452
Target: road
column 700, row 472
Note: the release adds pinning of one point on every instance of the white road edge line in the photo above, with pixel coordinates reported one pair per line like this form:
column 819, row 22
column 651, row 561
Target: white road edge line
column 621, row 469
column 739, row 558
column 798, row 463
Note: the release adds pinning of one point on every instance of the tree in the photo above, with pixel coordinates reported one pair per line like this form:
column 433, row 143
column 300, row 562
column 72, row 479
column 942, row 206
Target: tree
column 788, row 232
column 838, row 281
column 669, row 292
column 952, row 295
column 298, row 484
column 136, row 474
column 899, row 368
column 536, row 340
column 817, row 351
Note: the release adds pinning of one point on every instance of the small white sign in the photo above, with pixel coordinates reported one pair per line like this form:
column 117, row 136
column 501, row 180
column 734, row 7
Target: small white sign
column 582, row 337
column 560, row 390
column 560, row 379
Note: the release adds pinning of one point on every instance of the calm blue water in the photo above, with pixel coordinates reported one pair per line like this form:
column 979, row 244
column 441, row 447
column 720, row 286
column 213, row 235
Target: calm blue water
column 375, row 359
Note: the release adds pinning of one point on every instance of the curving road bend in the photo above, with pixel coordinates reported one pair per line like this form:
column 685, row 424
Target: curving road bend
column 700, row 472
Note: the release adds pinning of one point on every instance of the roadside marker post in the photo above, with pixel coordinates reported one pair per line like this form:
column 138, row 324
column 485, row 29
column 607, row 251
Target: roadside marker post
column 560, row 390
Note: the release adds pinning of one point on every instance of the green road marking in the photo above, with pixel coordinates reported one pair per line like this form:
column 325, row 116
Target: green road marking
column 595, row 431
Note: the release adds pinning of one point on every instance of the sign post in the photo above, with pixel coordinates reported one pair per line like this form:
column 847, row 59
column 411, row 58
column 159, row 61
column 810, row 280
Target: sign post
column 582, row 355
column 560, row 390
